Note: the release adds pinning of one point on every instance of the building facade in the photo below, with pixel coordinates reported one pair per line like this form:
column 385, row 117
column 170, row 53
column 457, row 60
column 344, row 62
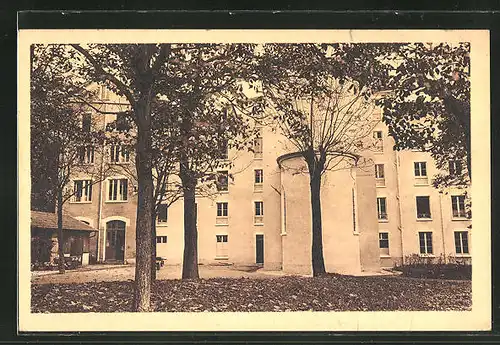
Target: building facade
column 373, row 217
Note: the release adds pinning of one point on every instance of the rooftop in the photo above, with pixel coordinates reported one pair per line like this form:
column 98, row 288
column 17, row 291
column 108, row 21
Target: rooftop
column 48, row 220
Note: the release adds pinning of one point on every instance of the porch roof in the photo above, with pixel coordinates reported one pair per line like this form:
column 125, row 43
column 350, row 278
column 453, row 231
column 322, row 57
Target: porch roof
column 48, row 220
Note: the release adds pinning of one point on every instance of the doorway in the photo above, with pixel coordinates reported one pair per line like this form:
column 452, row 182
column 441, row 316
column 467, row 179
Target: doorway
column 259, row 249
column 115, row 240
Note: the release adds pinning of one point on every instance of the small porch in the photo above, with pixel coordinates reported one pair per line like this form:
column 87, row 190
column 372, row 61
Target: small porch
column 77, row 241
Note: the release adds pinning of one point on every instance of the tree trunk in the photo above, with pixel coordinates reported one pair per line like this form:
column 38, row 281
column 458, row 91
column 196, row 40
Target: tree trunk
column 190, row 260
column 60, row 236
column 153, row 247
column 318, row 263
column 143, row 161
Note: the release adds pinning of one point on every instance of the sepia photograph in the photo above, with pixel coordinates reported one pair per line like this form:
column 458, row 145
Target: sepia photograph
column 265, row 180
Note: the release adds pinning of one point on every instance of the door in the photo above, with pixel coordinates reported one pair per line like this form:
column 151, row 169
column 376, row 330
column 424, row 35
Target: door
column 115, row 240
column 259, row 249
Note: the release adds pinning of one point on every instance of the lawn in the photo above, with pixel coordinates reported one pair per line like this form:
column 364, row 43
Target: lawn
column 329, row 293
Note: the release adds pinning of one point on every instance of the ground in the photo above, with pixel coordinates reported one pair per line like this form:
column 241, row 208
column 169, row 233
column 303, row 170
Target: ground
column 111, row 290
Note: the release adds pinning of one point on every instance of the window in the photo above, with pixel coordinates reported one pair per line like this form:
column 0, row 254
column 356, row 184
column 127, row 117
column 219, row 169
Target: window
column 258, row 180
column 82, row 191
column 103, row 92
column 222, row 181
column 461, row 242
column 379, row 144
column 379, row 175
column 423, row 207
column 86, row 154
column 224, row 150
column 425, row 239
column 221, row 248
column 259, row 176
column 119, row 154
column 259, row 212
column 222, row 213
column 379, row 171
column 162, row 216
column 382, row 208
column 258, row 145
column 161, row 239
column 86, row 122
column 383, row 239
column 420, row 169
column 458, row 206
column 455, row 168
column 118, row 190
column 259, row 208
column 222, row 209
column 122, row 122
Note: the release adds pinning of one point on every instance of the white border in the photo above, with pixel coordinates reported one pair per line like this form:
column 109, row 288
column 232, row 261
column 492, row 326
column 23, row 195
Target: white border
column 477, row 319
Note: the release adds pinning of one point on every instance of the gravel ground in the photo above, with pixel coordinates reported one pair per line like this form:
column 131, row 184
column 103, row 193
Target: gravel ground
column 288, row 293
column 103, row 273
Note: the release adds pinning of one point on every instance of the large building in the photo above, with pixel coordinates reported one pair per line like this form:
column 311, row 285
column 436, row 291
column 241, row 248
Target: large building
column 372, row 217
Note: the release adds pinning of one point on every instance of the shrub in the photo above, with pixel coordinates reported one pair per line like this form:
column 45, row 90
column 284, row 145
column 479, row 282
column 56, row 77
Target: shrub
column 417, row 266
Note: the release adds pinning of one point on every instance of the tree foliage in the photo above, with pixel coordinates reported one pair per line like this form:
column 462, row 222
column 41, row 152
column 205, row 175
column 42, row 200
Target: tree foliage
column 209, row 111
column 57, row 134
column 325, row 113
column 428, row 106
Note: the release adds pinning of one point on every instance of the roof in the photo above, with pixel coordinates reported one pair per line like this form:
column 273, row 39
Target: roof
column 48, row 220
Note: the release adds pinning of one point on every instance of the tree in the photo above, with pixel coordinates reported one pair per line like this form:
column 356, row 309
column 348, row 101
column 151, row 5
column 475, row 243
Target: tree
column 133, row 71
column 326, row 114
column 428, row 107
column 206, row 97
column 60, row 142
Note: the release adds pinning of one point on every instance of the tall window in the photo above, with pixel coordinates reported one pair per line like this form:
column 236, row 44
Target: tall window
column 259, row 176
column 382, row 208
column 86, row 154
column 118, row 189
column 379, row 171
column 455, row 168
column 258, row 145
column 420, row 169
column 103, row 93
column 221, row 248
column 458, row 206
column 222, row 209
column 119, row 154
column 258, row 179
column 224, row 150
column 86, row 122
column 82, row 191
column 423, row 207
column 383, row 240
column 162, row 216
column 461, row 242
column 258, row 212
column 379, row 143
column 379, row 175
column 425, row 239
column 222, row 181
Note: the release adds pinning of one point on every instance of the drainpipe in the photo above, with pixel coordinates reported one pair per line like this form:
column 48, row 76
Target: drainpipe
column 400, row 212
column 100, row 248
column 442, row 225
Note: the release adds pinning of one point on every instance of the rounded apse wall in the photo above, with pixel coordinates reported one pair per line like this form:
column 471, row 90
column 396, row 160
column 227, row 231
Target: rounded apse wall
column 338, row 204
